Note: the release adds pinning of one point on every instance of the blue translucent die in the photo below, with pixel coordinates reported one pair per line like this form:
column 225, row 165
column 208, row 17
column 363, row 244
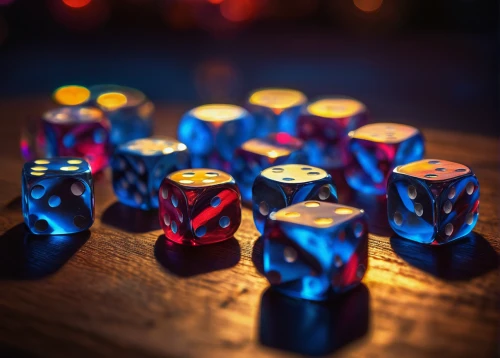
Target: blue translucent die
column 276, row 110
column 256, row 155
column 58, row 195
column 140, row 165
column 313, row 250
column 376, row 150
column 432, row 201
column 213, row 132
column 283, row 185
column 129, row 111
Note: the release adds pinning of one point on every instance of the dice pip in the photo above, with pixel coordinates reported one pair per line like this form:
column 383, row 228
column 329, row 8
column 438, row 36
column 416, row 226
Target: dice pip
column 377, row 149
column 275, row 110
column 58, row 195
column 283, row 185
column 324, row 126
column 313, row 250
column 77, row 132
column 139, row 166
column 129, row 111
column 256, row 155
column 432, row 201
column 199, row 206
column 213, row 132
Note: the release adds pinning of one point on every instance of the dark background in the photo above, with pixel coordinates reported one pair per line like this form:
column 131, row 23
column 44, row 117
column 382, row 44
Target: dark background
column 427, row 63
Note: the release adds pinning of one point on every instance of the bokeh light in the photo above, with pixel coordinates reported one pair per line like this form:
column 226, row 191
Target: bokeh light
column 6, row 2
column 71, row 95
column 368, row 5
column 76, row 3
column 80, row 15
column 238, row 10
column 218, row 80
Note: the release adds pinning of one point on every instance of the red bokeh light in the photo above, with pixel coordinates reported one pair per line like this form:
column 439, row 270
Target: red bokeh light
column 368, row 5
column 238, row 10
column 76, row 3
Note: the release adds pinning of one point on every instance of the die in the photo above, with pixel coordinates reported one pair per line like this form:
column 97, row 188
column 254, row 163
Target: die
column 256, row 155
column 213, row 132
column 139, row 166
column 377, row 149
column 58, row 195
column 71, row 95
column 281, row 186
column 275, row 110
column 129, row 111
column 314, row 250
column 69, row 131
column 432, row 201
column 199, row 206
column 324, row 126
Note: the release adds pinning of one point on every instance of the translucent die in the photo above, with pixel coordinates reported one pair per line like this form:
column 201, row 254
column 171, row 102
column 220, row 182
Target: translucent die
column 283, row 185
column 213, row 132
column 199, row 206
column 432, row 201
column 377, row 149
column 256, row 155
column 139, row 167
column 69, row 131
column 313, row 250
column 324, row 126
column 58, row 195
column 129, row 111
column 275, row 110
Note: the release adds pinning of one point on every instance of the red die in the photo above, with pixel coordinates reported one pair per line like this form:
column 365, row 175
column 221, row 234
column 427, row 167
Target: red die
column 199, row 206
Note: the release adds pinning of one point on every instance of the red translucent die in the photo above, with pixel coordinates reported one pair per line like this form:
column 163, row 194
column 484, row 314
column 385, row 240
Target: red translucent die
column 199, row 206
column 324, row 126
column 69, row 132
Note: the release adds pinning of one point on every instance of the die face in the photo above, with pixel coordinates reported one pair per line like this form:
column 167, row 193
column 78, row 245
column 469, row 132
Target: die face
column 139, row 167
column 411, row 208
column 199, row 206
column 444, row 195
column 313, row 250
column 256, row 155
column 215, row 128
column 458, row 207
column 129, row 111
column 324, row 126
column 77, row 132
column 58, row 196
column 377, row 149
column 280, row 186
column 275, row 110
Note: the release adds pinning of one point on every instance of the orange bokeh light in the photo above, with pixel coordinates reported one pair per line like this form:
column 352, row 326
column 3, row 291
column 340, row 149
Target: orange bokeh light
column 76, row 3
column 368, row 5
column 237, row 10
column 215, row 1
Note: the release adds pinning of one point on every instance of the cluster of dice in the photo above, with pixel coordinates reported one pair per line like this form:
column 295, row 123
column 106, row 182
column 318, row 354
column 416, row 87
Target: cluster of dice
column 313, row 246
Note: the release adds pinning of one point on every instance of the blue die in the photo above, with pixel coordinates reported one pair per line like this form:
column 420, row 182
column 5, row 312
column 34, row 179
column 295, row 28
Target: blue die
column 314, row 250
column 129, row 111
column 432, row 201
column 139, row 167
column 283, row 185
column 58, row 195
column 213, row 132
column 256, row 155
column 276, row 110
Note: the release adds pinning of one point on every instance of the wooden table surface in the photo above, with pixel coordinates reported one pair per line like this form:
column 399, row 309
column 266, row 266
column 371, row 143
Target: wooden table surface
column 121, row 290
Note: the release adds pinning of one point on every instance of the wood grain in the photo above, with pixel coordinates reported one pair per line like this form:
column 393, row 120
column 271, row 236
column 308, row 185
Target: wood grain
column 122, row 290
